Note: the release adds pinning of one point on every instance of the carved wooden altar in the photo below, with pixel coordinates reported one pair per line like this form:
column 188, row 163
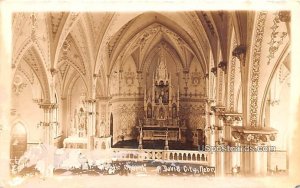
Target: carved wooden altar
column 161, row 105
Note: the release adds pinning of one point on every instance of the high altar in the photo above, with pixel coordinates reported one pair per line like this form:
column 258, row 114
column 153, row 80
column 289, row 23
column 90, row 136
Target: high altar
column 161, row 105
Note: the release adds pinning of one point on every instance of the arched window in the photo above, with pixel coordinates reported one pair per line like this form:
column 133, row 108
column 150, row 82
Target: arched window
column 18, row 142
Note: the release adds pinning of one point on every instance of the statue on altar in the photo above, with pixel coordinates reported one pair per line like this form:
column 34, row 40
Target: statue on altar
column 101, row 130
column 149, row 111
column 82, row 129
column 78, row 127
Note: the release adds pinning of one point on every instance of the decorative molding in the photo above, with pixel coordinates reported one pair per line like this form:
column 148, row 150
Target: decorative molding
column 209, row 24
column 230, row 117
column 48, row 106
column 218, row 110
column 56, row 18
column 220, row 87
column 18, row 85
column 253, row 136
column 232, row 79
column 129, row 77
column 196, row 78
column 276, row 38
column 27, row 72
column 259, row 33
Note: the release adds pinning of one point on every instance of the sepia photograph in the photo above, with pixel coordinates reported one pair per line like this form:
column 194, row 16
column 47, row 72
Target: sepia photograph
column 148, row 98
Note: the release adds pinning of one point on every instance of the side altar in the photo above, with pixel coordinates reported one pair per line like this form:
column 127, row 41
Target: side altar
column 78, row 137
column 85, row 132
column 161, row 105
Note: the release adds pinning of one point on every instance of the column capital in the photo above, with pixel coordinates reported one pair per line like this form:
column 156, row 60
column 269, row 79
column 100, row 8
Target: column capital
column 210, row 101
column 230, row 116
column 223, row 66
column 240, row 53
column 219, row 110
column 253, row 135
column 90, row 100
column 214, row 70
column 48, row 105
column 284, row 16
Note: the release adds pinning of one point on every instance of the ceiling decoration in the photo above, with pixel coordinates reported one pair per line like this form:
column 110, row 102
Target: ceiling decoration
column 259, row 34
column 85, row 44
column 70, row 54
column 18, row 84
column 26, row 71
column 209, row 23
column 277, row 37
column 146, row 39
column 63, row 69
column 56, row 20
column 34, row 61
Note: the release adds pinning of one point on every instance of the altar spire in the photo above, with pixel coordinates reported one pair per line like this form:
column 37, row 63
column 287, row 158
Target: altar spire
column 161, row 71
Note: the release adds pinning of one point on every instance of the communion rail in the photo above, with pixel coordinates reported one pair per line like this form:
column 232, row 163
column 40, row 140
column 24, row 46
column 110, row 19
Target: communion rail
column 180, row 156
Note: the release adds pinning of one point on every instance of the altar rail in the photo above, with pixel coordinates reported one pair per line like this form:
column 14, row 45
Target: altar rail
column 179, row 156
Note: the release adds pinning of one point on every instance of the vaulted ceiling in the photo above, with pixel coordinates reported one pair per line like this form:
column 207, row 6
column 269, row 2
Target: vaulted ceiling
column 88, row 45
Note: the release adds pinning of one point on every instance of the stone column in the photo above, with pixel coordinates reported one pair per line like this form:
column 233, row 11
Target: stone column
column 230, row 120
column 48, row 122
column 91, row 122
column 228, row 141
column 210, row 132
column 219, row 139
column 240, row 53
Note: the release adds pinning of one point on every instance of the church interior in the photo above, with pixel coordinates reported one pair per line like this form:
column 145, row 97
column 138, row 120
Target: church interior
column 167, row 84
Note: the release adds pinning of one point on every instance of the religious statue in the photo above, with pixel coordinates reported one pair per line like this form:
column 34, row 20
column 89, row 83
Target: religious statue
column 73, row 128
column 174, row 111
column 82, row 123
column 101, row 130
column 156, row 97
column 149, row 111
column 161, row 113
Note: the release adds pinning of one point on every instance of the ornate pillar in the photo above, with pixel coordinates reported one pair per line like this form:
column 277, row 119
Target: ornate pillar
column 91, row 121
column 210, row 132
column 253, row 160
column 48, row 122
column 240, row 53
column 230, row 119
column 140, row 78
column 219, row 140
